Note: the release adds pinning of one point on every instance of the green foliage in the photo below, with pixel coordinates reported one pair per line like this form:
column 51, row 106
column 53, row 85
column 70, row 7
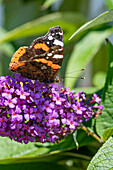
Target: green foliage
column 48, row 3
column 107, row 133
column 99, row 79
column 105, row 121
column 109, row 4
column 103, row 18
column 104, row 157
column 82, row 53
column 11, row 150
column 42, row 25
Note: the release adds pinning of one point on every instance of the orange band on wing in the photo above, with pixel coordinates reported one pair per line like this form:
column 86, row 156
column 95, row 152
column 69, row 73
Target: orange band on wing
column 41, row 45
column 18, row 54
column 16, row 66
column 49, row 63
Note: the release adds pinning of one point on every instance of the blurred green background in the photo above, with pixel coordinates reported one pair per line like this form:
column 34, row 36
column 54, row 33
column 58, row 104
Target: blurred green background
column 22, row 21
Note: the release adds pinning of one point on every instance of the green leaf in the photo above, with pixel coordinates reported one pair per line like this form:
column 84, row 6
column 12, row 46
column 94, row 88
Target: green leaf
column 14, row 151
column 99, row 79
column 103, row 160
column 106, row 120
column 48, row 3
column 75, row 139
column 11, row 149
column 107, row 133
column 15, row 154
column 103, row 18
column 87, row 90
column 41, row 25
column 109, row 3
column 83, row 52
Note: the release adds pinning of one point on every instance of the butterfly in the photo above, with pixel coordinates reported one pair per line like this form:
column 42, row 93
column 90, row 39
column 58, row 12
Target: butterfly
column 43, row 59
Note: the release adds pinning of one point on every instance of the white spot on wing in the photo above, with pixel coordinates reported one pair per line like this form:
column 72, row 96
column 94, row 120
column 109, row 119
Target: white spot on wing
column 58, row 56
column 43, row 67
column 49, row 54
column 57, row 42
column 50, row 37
column 60, row 49
column 60, row 33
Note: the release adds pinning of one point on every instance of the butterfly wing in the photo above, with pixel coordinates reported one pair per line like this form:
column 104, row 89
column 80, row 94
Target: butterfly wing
column 42, row 61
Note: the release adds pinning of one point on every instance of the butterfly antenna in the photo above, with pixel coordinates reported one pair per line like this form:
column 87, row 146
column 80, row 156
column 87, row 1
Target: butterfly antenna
column 61, row 78
column 76, row 71
column 76, row 77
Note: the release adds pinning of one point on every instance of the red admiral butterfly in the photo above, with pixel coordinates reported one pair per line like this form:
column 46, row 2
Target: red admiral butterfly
column 43, row 59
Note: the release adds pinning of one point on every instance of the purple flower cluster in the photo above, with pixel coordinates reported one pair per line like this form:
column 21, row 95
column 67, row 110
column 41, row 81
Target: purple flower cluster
column 33, row 111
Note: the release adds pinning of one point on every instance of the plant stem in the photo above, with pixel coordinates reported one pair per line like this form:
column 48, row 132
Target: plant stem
column 92, row 134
